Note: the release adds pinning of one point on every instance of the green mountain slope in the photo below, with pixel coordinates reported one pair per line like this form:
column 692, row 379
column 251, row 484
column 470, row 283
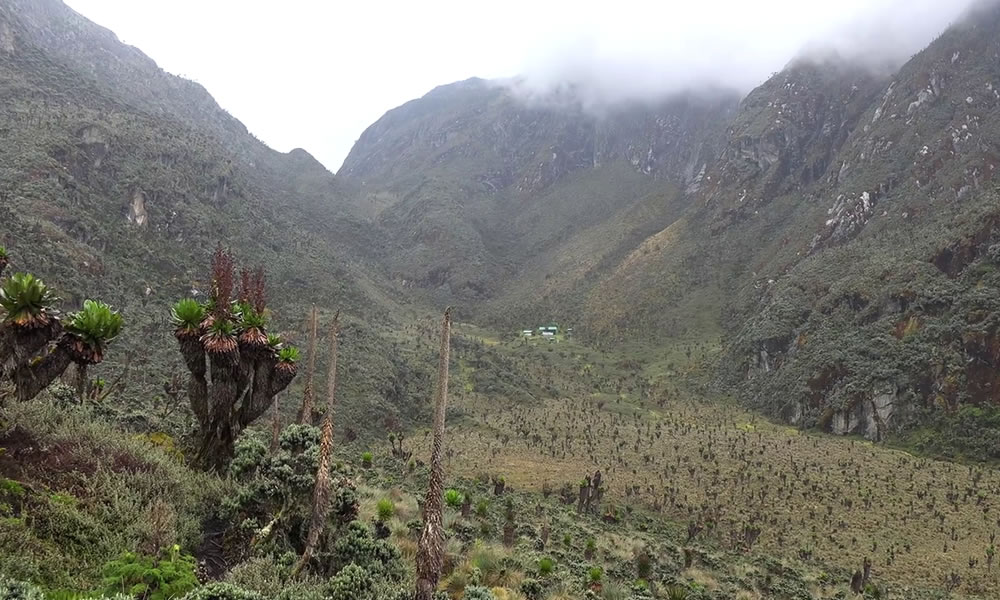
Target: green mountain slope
column 830, row 237
column 483, row 193
column 848, row 238
column 117, row 181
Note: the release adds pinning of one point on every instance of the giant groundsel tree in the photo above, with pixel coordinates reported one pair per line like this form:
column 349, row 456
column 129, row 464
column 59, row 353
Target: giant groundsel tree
column 236, row 367
column 36, row 344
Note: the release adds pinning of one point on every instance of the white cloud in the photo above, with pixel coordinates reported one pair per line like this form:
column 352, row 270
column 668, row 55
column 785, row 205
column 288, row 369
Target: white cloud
column 311, row 74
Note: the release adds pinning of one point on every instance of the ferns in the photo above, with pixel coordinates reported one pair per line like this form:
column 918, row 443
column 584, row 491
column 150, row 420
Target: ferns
column 151, row 578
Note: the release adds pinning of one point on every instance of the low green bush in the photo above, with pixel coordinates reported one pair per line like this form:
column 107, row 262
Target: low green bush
column 149, row 577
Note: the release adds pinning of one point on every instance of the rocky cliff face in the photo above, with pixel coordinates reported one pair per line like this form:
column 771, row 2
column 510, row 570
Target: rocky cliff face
column 871, row 313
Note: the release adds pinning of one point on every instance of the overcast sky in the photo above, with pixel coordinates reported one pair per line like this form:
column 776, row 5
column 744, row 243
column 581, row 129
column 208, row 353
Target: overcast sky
column 314, row 74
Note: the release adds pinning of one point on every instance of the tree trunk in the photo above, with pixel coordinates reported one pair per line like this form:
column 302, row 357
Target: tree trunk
column 430, row 553
column 81, row 383
column 321, row 494
column 228, row 392
column 219, row 429
column 31, row 379
column 18, row 345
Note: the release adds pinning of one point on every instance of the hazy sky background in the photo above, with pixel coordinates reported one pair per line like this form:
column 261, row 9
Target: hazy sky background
column 314, row 74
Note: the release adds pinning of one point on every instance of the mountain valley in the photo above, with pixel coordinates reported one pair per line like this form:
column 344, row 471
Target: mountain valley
column 775, row 373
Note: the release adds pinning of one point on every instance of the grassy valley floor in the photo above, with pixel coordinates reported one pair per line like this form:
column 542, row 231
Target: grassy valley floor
column 698, row 494
column 675, row 457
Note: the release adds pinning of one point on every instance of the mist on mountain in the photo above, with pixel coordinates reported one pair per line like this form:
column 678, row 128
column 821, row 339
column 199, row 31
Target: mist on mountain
column 601, row 58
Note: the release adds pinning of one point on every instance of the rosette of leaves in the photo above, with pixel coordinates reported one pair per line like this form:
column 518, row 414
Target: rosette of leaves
column 220, row 337
column 187, row 316
column 287, row 357
column 91, row 329
column 27, row 301
column 253, row 325
column 453, row 498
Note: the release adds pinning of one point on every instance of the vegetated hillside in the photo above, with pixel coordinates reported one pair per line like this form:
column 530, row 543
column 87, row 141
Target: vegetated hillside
column 118, row 180
column 803, row 228
column 834, row 231
column 871, row 308
column 487, row 196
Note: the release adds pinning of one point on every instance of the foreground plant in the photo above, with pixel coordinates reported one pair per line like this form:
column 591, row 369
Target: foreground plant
column 36, row 347
column 27, row 301
column 236, row 367
column 430, row 555
column 170, row 575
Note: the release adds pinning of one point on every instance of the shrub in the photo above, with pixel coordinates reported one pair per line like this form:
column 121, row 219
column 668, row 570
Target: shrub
column 16, row 590
column 357, row 545
column 222, row 591
column 453, row 498
column 476, row 592
column 531, row 588
column 545, row 566
column 151, row 578
column 616, row 591
column 482, row 509
column 567, row 540
column 386, row 509
column 487, row 561
column 265, row 482
column 351, row 583
column 643, row 565
column 677, row 592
